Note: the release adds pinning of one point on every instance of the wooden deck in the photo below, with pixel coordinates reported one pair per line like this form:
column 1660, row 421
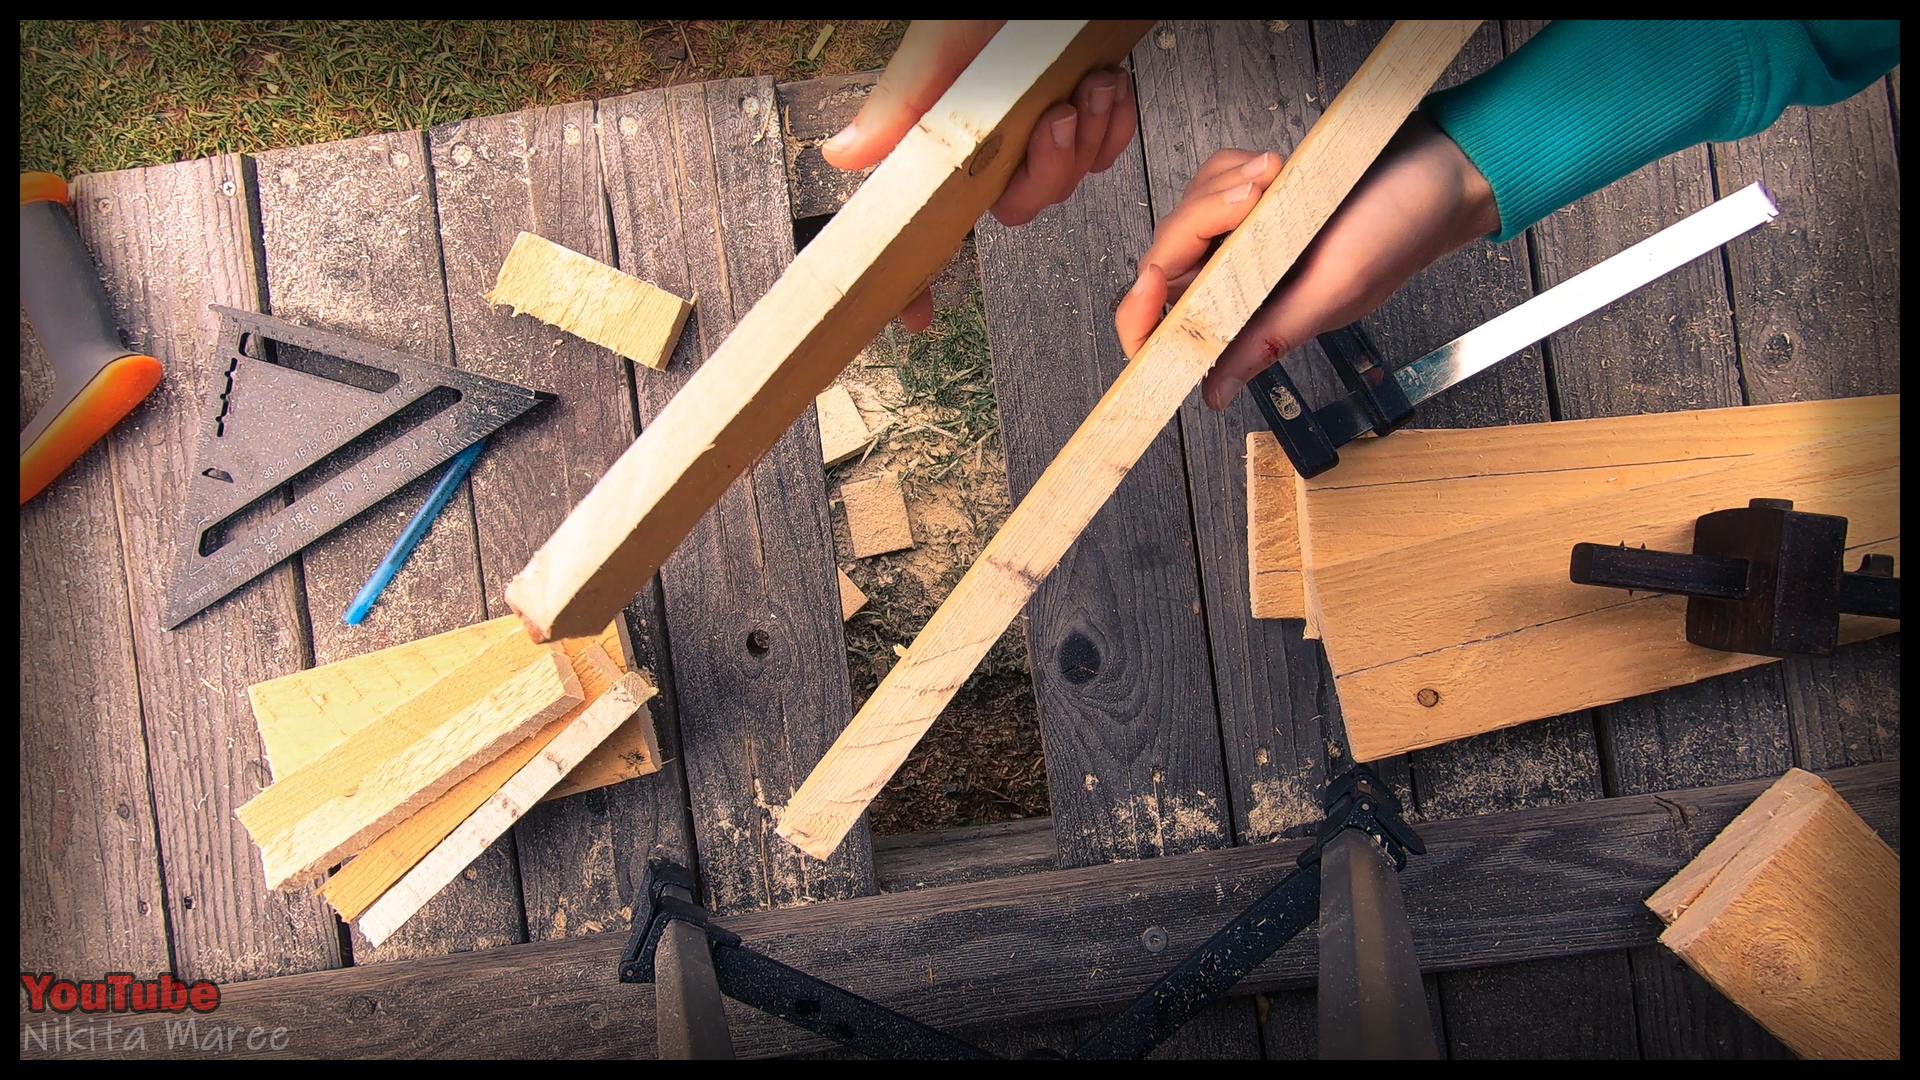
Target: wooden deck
column 1198, row 728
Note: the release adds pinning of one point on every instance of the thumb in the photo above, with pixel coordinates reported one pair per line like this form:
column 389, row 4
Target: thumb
column 931, row 56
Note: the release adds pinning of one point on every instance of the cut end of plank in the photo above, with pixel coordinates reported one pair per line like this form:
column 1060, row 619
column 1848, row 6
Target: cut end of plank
column 1796, row 788
column 589, row 299
column 347, row 798
column 576, row 739
column 877, row 520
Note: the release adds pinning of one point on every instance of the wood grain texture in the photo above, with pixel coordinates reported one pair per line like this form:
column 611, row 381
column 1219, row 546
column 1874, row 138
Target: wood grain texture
column 581, row 732
column 1550, row 882
column 350, row 244
column 577, row 859
column 851, row 280
column 1202, row 85
column 381, row 775
column 1828, row 328
column 751, row 594
column 383, row 861
column 1116, row 633
column 842, row 432
column 877, row 520
column 1488, row 618
column 1119, row 430
column 90, row 877
column 168, row 241
column 1801, row 928
column 1121, row 677
column 1785, row 795
column 591, row 300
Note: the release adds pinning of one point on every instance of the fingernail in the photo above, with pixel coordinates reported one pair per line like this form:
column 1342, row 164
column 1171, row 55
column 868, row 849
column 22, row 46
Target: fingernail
column 1063, row 131
column 1100, row 100
column 1239, row 194
column 1255, row 168
column 843, row 138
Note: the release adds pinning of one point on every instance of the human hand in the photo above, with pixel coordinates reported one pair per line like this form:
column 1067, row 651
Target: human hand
column 1421, row 200
column 1074, row 137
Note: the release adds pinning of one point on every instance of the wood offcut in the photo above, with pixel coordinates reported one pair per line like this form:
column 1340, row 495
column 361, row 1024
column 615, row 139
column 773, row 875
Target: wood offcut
column 1317, row 176
column 1793, row 912
column 842, row 432
column 580, row 732
column 590, row 300
column 891, row 240
column 382, row 774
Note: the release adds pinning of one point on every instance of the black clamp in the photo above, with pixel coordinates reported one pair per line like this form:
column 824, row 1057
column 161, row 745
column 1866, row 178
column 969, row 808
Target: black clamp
column 1308, row 436
column 1357, row 799
column 1764, row 579
column 657, row 909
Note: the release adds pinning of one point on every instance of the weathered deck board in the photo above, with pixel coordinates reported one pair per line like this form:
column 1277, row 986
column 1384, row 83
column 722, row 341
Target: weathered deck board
column 1203, row 87
column 1669, row 346
column 1815, row 309
column 90, row 891
column 1117, row 632
column 350, row 245
column 168, row 241
column 1490, row 890
column 699, row 195
column 579, row 858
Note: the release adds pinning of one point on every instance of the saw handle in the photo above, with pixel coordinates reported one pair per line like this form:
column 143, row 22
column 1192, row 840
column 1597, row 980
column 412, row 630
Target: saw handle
column 97, row 379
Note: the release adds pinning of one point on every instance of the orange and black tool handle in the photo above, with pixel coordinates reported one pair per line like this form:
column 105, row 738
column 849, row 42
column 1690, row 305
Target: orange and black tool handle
column 97, row 379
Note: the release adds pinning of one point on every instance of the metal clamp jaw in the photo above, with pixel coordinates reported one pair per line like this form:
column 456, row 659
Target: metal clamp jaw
column 666, row 894
column 1357, row 799
column 1374, row 402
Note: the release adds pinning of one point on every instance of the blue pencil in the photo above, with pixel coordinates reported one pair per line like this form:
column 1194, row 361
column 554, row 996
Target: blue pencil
column 411, row 536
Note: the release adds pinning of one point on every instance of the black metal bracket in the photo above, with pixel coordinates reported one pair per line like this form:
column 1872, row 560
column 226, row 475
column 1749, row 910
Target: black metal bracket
column 1764, row 579
column 1311, row 437
column 1357, row 800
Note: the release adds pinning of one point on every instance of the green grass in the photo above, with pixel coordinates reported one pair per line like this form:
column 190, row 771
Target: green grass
column 96, row 96
column 950, row 370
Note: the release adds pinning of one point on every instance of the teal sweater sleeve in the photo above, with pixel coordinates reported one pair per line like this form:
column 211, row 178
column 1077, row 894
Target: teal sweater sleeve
column 1585, row 103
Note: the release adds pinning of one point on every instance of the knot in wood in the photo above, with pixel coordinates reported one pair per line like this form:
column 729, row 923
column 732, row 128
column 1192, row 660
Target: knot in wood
column 758, row 642
column 984, row 156
column 1428, row 696
column 1079, row 659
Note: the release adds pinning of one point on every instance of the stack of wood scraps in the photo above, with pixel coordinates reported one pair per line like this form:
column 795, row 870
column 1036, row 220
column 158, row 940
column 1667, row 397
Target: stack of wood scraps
column 412, row 760
column 1433, row 565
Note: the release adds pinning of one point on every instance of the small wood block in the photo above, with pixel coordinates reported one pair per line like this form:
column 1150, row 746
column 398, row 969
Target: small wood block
column 851, row 598
column 842, row 432
column 401, row 763
column 1796, row 919
column 591, row 300
column 877, row 516
column 574, row 738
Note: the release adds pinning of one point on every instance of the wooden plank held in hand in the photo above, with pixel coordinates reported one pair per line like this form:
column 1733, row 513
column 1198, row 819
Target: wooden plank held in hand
column 374, row 870
column 590, row 300
column 537, row 774
column 1797, row 921
column 383, row 773
column 891, row 240
column 1323, row 168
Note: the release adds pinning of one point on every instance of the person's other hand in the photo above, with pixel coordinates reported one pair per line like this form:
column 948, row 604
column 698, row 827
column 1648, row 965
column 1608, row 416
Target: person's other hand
column 1083, row 134
column 1421, row 200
